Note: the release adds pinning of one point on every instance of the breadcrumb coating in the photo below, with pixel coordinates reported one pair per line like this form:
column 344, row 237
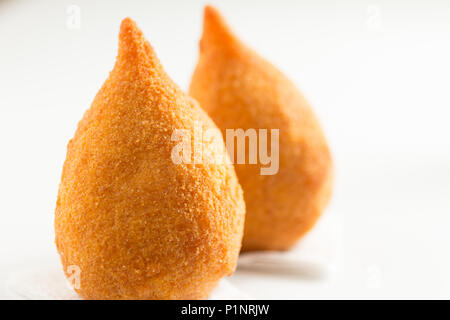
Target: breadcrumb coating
column 137, row 225
column 239, row 89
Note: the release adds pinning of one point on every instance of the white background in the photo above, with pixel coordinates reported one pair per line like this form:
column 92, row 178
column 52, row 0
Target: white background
column 376, row 72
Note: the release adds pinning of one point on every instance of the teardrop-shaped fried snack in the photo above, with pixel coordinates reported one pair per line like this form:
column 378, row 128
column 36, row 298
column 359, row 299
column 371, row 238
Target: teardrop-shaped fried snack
column 134, row 224
column 239, row 89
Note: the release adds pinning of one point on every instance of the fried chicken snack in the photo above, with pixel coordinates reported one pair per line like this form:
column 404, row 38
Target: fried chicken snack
column 239, row 89
column 137, row 225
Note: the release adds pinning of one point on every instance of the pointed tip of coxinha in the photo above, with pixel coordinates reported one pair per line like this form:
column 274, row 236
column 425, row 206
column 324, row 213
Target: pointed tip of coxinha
column 213, row 20
column 129, row 26
column 216, row 31
column 134, row 49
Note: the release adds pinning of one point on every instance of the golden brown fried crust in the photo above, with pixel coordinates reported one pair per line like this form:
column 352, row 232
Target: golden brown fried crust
column 136, row 224
column 239, row 89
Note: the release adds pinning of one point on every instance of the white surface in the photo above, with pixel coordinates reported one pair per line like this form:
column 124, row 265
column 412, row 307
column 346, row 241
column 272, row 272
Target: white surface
column 376, row 72
column 315, row 257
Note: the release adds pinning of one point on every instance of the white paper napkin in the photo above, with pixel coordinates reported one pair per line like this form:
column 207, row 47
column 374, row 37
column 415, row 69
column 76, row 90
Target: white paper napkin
column 316, row 255
column 49, row 283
